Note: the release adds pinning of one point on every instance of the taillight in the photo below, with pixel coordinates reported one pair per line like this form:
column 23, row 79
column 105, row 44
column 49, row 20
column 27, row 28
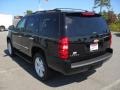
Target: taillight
column 63, row 48
column 110, row 39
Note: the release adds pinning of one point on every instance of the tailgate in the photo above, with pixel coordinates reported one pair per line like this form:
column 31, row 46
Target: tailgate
column 84, row 48
column 89, row 36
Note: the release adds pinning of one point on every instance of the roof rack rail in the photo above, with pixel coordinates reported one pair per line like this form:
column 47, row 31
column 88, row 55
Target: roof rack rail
column 61, row 9
column 69, row 9
column 53, row 10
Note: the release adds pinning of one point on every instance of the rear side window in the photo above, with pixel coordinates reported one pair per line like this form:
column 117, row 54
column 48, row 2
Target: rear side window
column 83, row 26
column 32, row 25
column 50, row 25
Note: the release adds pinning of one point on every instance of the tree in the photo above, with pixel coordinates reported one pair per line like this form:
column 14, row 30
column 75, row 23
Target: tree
column 119, row 17
column 101, row 4
column 112, row 17
column 105, row 15
column 28, row 12
column 109, row 16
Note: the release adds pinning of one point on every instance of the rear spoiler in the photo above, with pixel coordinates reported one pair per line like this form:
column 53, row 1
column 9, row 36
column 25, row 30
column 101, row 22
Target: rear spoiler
column 83, row 14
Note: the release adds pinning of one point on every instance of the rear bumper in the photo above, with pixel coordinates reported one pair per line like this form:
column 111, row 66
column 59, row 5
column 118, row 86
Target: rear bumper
column 68, row 68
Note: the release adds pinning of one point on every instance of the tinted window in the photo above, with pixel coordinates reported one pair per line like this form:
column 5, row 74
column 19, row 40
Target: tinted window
column 41, row 17
column 80, row 26
column 21, row 24
column 32, row 24
column 50, row 25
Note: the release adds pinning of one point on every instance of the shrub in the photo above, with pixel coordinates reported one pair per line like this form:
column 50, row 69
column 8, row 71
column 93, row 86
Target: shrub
column 115, row 27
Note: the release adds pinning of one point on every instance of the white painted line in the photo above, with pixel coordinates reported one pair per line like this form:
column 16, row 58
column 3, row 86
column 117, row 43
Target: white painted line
column 111, row 85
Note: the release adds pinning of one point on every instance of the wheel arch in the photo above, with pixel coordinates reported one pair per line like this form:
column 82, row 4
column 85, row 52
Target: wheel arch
column 8, row 39
column 36, row 49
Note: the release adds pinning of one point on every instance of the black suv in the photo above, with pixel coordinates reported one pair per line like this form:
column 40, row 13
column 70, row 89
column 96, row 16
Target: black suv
column 67, row 41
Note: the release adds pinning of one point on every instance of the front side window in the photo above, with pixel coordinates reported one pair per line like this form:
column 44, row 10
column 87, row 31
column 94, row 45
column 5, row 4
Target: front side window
column 21, row 24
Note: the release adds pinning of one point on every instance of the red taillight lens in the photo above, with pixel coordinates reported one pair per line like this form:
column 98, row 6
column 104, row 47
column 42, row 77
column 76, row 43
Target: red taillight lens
column 88, row 13
column 110, row 39
column 63, row 48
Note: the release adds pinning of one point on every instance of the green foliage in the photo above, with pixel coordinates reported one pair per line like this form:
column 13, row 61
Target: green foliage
column 101, row 4
column 109, row 16
column 112, row 20
column 28, row 12
column 115, row 27
column 119, row 17
column 105, row 15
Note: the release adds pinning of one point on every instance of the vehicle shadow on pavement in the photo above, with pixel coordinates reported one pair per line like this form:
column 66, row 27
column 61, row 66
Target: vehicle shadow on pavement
column 117, row 34
column 58, row 79
column 61, row 80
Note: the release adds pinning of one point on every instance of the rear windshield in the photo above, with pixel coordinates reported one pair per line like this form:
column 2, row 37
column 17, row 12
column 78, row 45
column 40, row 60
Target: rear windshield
column 82, row 26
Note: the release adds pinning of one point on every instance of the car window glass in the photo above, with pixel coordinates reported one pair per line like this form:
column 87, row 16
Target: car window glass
column 81, row 26
column 32, row 24
column 21, row 24
column 50, row 26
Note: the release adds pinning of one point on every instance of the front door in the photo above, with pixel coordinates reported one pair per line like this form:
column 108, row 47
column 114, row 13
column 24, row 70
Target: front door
column 29, row 34
column 17, row 34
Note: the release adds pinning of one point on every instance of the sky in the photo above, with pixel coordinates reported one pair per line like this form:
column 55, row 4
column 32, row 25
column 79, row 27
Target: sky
column 18, row 7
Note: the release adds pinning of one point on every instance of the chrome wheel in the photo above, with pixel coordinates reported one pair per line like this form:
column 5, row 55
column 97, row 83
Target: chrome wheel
column 39, row 67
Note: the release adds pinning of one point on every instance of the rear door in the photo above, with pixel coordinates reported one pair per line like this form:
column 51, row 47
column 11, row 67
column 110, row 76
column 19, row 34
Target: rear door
column 89, row 36
column 49, row 33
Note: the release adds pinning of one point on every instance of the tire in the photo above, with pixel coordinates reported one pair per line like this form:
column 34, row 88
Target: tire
column 2, row 28
column 10, row 48
column 40, row 66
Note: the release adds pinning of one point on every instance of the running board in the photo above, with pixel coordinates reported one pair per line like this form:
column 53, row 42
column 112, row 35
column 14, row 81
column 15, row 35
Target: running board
column 27, row 59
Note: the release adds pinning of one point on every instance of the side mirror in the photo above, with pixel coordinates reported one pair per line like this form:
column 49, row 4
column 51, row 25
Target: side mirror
column 12, row 27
